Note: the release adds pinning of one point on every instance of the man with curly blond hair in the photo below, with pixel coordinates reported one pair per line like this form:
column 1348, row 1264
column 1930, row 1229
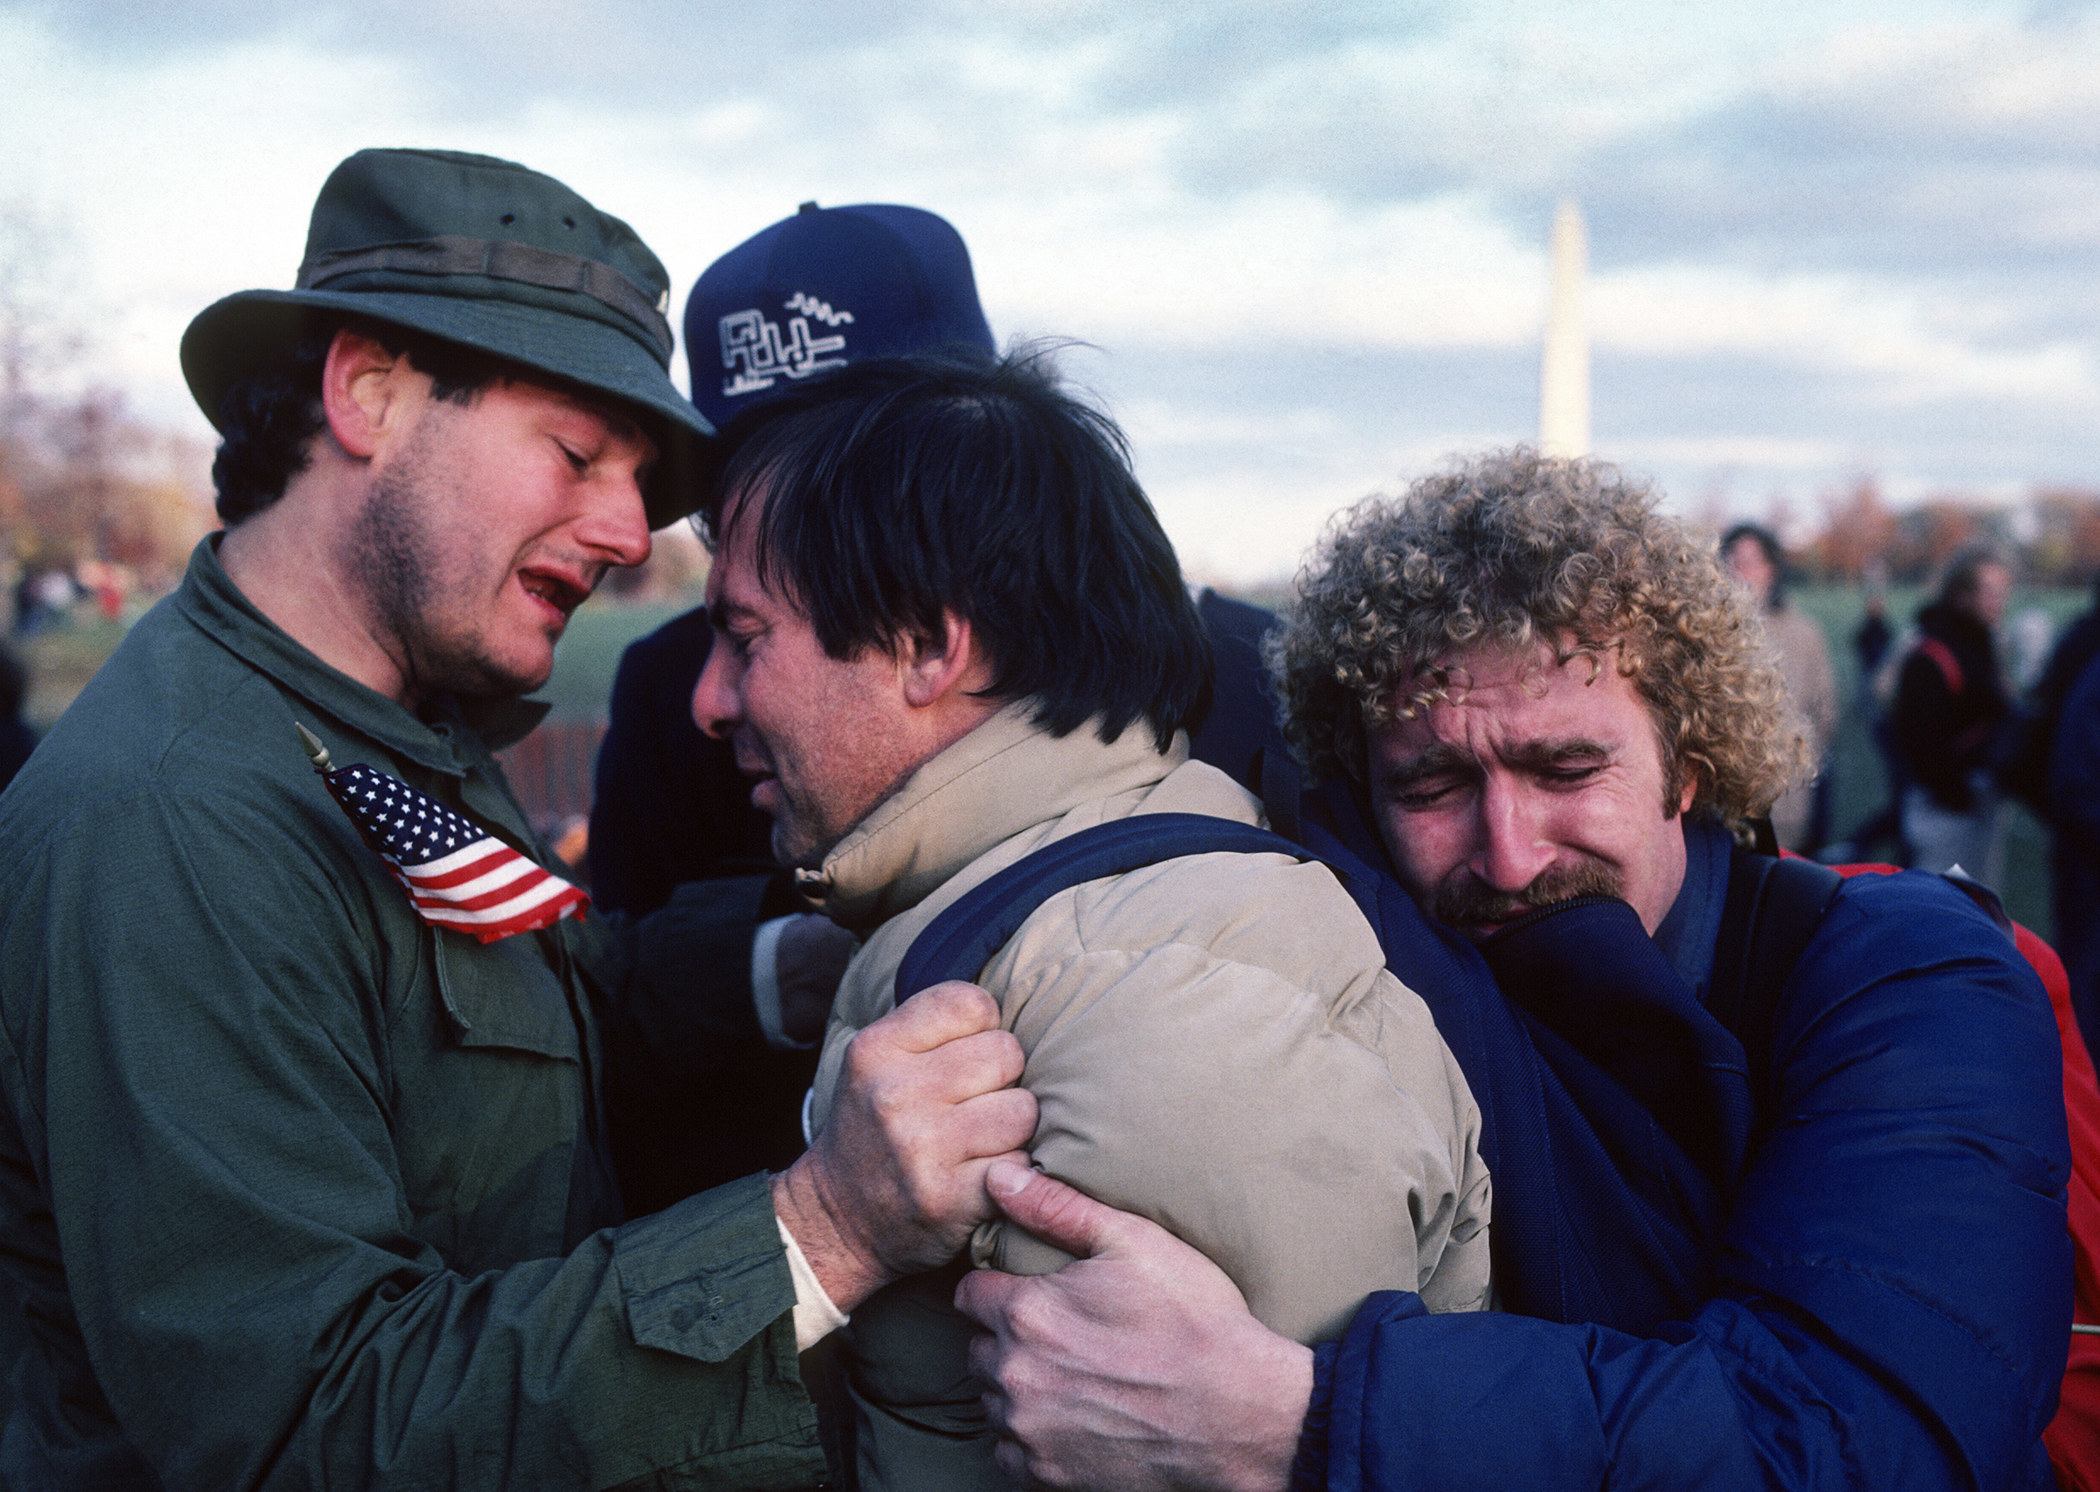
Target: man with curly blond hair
column 1521, row 554
column 1770, row 1211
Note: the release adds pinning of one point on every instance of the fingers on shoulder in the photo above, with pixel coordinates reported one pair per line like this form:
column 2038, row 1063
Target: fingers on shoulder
column 1000, row 1124
column 937, row 1015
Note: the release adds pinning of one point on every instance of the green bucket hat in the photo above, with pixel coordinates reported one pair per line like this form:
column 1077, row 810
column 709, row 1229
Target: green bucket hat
column 488, row 254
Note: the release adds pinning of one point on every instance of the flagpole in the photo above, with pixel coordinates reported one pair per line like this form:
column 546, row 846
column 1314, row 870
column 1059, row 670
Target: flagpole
column 315, row 751
column 1564, row 385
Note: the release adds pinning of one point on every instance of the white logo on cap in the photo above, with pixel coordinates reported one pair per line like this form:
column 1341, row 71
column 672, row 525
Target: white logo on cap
column 756, row 352
column 809, row 305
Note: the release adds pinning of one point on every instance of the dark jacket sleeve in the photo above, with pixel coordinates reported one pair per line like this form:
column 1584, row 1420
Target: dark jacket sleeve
column 1893, row 1293
column 669, row 805
column 699, row 1098
column 696, row 1096
column 2074, row 764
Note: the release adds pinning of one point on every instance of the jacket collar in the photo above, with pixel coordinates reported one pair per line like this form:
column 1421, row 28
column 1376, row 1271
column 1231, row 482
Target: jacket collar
column 1688, row 930
column 212, row 603
column 1003, row 778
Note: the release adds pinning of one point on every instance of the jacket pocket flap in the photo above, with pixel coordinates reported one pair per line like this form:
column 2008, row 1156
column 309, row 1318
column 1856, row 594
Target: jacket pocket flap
column 503, row 994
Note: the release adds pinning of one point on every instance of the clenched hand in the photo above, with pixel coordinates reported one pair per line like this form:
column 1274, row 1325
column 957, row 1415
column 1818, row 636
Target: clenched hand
column 895, row 1182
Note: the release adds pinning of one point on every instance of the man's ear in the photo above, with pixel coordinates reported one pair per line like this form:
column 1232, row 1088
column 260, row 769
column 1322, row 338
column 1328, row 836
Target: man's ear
column 361, row 392
column 1687, row 789
column 936, row 667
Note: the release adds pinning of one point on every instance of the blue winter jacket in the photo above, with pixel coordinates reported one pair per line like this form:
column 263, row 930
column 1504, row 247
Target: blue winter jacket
column 1890, row 1294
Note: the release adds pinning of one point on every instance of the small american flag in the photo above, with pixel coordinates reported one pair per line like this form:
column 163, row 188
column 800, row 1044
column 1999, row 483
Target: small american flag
column 458, row 875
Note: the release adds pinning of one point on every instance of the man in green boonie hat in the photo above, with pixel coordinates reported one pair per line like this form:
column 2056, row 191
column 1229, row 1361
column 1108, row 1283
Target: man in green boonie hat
column 488, row 256
column 303, row 1183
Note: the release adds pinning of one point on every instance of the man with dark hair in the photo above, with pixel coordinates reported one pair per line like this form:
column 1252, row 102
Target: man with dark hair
column 304, row 1121
column 950, row 632
column 807, row 296
column 826, row 287
column 1779, row 1180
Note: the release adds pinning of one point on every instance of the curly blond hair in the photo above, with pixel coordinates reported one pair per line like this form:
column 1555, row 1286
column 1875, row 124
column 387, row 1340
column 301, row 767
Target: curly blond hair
column 1512, row 549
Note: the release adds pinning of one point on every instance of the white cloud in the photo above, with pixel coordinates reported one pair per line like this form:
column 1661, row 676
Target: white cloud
column 1308, row 238
column 1912, row 349
column 1285, row 265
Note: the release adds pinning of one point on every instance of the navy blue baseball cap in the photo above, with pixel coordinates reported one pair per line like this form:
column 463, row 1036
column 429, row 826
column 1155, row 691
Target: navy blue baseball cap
column 828, row 286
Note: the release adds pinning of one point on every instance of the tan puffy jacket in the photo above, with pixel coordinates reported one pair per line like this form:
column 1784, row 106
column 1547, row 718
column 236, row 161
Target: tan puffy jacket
column 1214, row 1042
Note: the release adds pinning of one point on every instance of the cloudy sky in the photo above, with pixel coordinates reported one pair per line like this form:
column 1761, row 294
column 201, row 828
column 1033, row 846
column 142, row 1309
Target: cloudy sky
column 1302, row 240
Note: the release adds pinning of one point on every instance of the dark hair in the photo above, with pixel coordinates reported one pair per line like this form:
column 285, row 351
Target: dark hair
column 268, row 420
column 898, row 488
column 1964, row 571
column 1775, row 556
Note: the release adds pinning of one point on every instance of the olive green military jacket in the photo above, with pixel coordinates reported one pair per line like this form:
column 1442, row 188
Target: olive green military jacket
column 297, row 1190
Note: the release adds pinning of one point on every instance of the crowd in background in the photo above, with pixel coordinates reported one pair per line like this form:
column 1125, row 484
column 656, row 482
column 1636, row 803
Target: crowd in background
column 1968, row 709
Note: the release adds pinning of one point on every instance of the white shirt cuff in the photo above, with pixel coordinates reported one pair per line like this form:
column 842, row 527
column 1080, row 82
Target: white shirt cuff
column 765, row 985
column 815, row 1316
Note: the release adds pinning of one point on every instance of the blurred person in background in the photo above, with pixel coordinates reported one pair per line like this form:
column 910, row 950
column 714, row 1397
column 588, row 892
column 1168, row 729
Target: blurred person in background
column 1754, row 557
column 1950, row 714
column 1871, row 641
column 1871, row 638
column 2030, row 643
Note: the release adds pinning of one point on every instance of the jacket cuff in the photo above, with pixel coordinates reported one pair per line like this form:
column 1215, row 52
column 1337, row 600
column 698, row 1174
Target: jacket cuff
column 1309, row 1466
column 705, row 1276
column 817, row 1315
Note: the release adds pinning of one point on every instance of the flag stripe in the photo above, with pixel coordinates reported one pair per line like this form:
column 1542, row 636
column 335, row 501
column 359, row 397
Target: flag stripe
column 484, row 916
column 496, row 922
column 483, row 887
column 466, row 862
column 511, row 890
column 467, row 858
column 498, row 869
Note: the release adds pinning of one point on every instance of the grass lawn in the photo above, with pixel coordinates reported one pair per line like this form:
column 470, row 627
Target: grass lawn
column 590, row 653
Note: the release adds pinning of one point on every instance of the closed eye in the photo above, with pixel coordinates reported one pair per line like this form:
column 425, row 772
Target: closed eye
column 1421, row 790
